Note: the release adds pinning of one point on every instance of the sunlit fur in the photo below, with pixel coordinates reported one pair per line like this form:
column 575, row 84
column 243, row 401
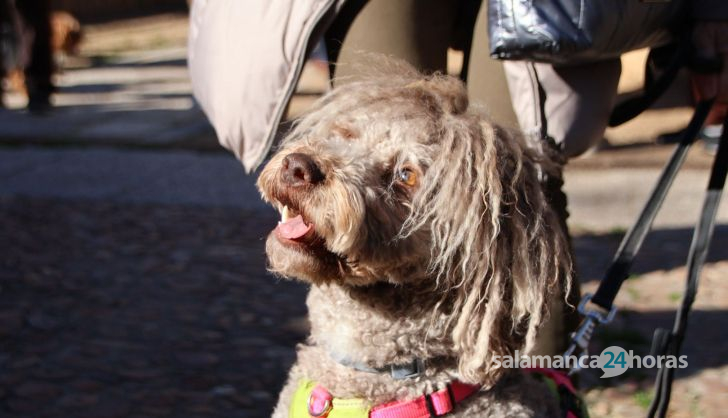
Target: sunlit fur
column 458, row 268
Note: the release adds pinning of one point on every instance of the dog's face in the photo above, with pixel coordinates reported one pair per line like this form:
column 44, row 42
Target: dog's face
column 344, row 182
column 397, row 179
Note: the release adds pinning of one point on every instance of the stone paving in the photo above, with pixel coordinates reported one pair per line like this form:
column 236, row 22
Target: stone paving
column 132, row 273
column 127, row 309
column 140, row 311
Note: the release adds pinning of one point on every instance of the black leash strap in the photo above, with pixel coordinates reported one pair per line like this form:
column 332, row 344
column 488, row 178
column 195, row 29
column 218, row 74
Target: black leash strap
column 632, row 242
column 618, row 270
column 670, row 343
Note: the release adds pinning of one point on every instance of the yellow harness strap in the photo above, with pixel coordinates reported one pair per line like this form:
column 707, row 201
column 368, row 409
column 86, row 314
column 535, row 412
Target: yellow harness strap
column 341, row 408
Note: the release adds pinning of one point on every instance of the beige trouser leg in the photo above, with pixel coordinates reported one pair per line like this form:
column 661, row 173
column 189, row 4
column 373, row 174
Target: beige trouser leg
column 571, row 104
column 419, row 32
column 416, row 31
column 486, row 78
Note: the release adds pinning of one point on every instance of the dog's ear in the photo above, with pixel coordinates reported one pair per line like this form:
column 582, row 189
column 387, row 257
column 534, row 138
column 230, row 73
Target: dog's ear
column 498, row 251
column 450, row 92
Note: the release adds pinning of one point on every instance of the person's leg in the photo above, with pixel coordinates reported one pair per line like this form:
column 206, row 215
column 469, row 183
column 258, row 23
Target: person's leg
column 486, row 77
column 416, row 31
column 568, row 107
column 36, row 15
column 570, row 104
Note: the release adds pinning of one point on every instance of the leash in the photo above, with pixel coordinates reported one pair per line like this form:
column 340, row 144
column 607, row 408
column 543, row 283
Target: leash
column 599, row 308
column 669, row 343
column 621, row 264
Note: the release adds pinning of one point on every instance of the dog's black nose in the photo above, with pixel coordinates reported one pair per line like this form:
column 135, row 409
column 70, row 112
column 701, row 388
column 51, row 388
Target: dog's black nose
column 300, row 170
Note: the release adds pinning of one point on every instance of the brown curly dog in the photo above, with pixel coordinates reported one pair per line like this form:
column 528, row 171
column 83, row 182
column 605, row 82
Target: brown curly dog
column 429, row 245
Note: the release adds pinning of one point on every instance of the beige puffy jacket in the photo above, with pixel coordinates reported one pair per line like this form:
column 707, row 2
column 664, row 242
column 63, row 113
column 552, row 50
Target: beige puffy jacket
column 227, row 35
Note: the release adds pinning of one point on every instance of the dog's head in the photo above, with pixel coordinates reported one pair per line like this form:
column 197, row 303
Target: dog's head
column 397, row 179
column 66, row 33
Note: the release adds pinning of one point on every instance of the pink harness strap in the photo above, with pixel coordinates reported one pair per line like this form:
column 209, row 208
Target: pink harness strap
column 434, row 404
column 431, row 405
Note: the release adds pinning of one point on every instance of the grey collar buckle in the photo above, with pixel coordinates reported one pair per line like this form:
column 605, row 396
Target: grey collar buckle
column 408, row 370
column 411, row 370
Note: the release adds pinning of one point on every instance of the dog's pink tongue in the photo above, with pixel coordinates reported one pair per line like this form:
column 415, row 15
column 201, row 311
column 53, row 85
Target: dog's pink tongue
column 293, row 228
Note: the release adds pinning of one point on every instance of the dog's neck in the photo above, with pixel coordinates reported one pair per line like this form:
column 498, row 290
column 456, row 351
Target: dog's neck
column 395, row 300
column 380, row 324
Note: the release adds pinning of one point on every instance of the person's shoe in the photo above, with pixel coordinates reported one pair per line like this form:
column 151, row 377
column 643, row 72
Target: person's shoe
column 39, row 104
column 39, row 96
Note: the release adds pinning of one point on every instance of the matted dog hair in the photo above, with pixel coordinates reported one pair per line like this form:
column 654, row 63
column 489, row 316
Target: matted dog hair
column 496, row 241
column 498, row 251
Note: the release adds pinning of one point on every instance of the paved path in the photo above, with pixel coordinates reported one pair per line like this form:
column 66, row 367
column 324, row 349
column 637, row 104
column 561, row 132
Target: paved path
column 128, row 176
column 139, row 310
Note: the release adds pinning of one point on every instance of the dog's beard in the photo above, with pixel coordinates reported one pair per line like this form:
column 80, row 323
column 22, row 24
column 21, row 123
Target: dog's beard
column 296, row 246
column 307, row 243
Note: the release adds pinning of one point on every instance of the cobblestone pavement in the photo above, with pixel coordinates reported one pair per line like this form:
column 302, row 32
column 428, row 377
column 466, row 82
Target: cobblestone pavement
column 133, row 311
column 141, row 310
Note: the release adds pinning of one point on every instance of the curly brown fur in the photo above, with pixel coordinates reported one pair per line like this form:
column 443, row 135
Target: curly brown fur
column 432, row 238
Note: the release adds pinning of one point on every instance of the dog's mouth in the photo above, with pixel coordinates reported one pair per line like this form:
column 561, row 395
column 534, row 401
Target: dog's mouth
column 293, row 227
column 296, row 231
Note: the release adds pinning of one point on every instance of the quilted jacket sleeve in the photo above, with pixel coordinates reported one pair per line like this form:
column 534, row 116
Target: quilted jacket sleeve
column 245, row 58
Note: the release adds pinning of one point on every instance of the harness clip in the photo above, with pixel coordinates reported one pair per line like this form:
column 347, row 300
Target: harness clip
column 325, row 408
column 582, row 336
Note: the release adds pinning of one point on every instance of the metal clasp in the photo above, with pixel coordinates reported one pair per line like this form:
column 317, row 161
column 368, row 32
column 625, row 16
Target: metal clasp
column 323, row 412
column 582, row 336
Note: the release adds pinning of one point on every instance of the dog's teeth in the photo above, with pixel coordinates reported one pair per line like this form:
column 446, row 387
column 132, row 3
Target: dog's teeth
column 285, row 214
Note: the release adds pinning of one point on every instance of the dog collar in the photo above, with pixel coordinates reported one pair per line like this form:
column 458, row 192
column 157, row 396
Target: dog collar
column 313, row 400
column 409, row 370
column 415, row 368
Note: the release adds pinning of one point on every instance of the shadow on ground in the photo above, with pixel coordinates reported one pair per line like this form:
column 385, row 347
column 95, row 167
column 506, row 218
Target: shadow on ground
column 145, row 310
column 705, row 346
column 663, row 249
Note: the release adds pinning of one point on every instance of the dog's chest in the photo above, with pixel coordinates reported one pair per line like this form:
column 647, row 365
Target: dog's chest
column 373, row 332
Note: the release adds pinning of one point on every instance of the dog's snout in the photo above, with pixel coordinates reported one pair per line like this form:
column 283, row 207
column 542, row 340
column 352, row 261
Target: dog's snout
column 300, row 170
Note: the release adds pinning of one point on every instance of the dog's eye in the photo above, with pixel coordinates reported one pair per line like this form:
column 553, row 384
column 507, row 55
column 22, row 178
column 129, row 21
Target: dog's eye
column 407, row 176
